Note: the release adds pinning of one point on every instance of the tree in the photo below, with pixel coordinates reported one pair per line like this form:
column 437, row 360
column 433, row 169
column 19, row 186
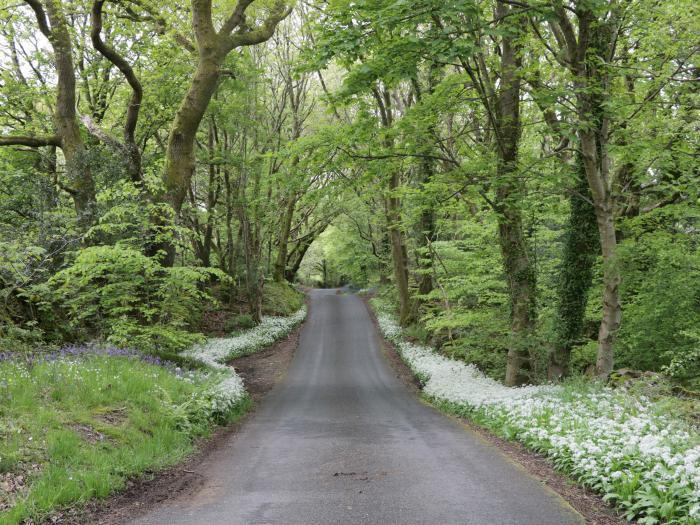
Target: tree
column 212, row 47
column 52, row 23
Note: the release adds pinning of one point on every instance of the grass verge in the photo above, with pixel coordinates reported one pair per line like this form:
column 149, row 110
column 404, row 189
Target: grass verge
column 77, row 428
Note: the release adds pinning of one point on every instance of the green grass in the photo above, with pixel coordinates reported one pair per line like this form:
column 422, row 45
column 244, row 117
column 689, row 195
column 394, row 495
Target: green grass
column 79, row 429
column 281, row 299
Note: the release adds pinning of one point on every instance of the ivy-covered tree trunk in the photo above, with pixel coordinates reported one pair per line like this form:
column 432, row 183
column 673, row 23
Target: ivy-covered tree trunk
column 581, row 246
column 427, row 233
column 587, row 62
column 428, row 236
column 520, row 275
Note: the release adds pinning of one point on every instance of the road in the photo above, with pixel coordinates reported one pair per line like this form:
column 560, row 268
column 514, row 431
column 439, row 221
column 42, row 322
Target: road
column 341, row 440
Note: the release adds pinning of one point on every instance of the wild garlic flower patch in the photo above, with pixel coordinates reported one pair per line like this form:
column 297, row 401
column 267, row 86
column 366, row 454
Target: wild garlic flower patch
column 218, row 350
column 230, row 390
column 621, row 445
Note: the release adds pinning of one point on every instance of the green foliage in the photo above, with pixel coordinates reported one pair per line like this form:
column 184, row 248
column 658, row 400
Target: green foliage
column 281, row 299
column 239, row 322
column 121, row 296
column 583, row 357
column 77, row 430
column 417, row 332
column 662, row 283
column 685, row 363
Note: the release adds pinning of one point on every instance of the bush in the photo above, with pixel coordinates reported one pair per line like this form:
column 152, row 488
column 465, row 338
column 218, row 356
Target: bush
column 239, row 322
column 119, row 295
column 281, row 299
column 18, row 339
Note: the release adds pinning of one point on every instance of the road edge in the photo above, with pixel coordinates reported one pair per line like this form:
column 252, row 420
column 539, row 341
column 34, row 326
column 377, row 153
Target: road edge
column 183, row 478
column 585, row 502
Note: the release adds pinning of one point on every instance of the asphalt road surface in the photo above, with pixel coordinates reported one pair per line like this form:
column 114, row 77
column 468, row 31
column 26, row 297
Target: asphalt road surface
column 341, row 440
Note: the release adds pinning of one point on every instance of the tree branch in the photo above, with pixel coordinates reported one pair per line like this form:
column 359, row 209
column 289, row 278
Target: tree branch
column 32, row 142
column 40, row 16
column 132, row 114
column 237, row 17
column 96, row 131
column 262, row 33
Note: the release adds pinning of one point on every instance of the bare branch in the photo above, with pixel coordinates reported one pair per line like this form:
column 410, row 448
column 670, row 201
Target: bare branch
column 32, row 142
column 40, row 16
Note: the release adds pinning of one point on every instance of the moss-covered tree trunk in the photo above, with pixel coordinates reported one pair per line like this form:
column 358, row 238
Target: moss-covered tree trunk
column 280, row 269
column 398, row 251
column 213, row 47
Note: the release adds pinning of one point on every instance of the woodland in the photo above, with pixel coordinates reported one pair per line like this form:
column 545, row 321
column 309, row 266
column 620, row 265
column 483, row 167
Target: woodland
column 522, row 175
column 518, row 179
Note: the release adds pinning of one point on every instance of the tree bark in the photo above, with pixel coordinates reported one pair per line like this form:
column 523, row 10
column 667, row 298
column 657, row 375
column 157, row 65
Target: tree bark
column 398, row 252
column 509, row 191
column 180, row 152
column 280, row 271
column 605, row 218
column 52, row 23
column 427, row 234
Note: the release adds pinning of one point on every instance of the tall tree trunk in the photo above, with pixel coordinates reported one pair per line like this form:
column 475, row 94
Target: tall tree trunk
column 596, row 173
column 427, row 234
column 595, row 41
column 398, row 252
column 510, row 190
column 581, row 247
column 384, row 255
column 521, row 287
column 294, row 263
column 254, row 277
column 280, row 271
column 180, row 152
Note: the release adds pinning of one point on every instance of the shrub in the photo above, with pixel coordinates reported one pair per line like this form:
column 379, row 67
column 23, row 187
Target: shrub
column 119, row 295
column 281, row 299
column 239, row 322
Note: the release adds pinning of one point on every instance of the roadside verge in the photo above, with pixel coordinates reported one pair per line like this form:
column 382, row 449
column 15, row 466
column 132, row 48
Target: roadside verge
column 617, row 447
